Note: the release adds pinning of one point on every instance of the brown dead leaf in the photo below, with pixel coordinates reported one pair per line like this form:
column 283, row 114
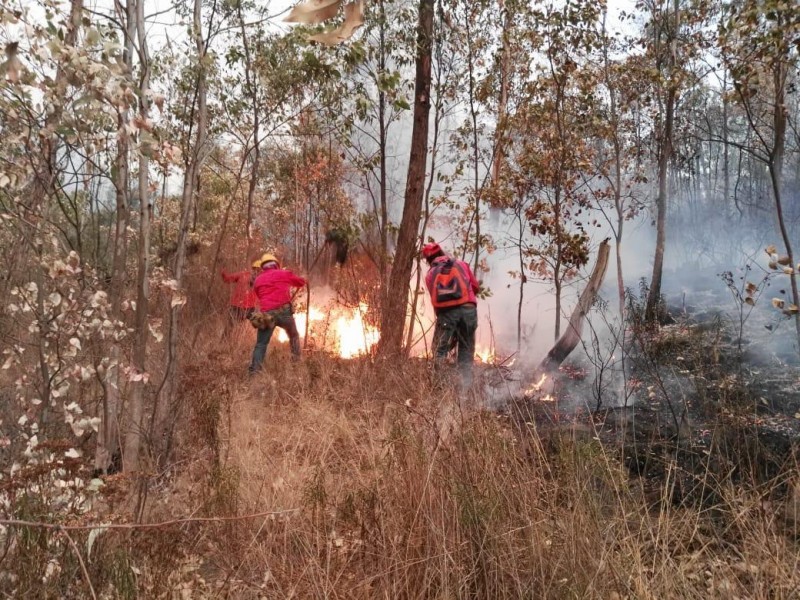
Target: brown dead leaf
column 12, row 66
column 771, row 249
column 158, row 99
column 784, row 260
column 353, row 19
column 751, row 287
column 773, row 264
column 313, row 12
column 749, row 301
column 778, row 303
column 143, row 123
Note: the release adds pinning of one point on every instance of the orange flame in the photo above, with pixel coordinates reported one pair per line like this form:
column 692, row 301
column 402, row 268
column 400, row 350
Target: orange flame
column 354, row 336
column 485, row 355
column 339, row 329
column 536, row 387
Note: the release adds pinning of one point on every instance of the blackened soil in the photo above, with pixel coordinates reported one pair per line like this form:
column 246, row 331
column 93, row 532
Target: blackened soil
column 697, row 418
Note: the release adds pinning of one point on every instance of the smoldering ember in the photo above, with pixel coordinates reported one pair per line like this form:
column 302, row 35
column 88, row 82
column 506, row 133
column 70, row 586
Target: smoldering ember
column 400, row 299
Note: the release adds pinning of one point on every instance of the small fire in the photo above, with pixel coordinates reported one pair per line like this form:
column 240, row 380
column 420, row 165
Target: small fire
column 485, row 355
column 338, row 329
column 536, row 387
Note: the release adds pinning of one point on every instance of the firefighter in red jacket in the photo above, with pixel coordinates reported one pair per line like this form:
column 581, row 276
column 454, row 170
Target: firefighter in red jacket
column 273, row 288
column 243, row 300
column 453, row 289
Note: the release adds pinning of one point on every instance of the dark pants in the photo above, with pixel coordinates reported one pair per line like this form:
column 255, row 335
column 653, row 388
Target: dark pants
column 285, row 320
column 456, row 327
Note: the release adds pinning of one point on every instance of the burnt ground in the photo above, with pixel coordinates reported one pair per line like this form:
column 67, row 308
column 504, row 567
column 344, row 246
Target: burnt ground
column 706, row 403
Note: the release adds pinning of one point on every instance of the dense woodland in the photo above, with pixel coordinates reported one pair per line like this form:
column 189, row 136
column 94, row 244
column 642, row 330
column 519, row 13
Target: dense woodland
column 146, row 145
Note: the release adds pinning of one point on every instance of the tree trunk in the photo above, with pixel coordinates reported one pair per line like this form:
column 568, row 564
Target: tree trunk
column 473, row 111
column 108, row 435
column 136, row 401
column 665, row 154
column 725, row 146
column 654, row 295
column 437, row 120
column 395, row 305
column 502, row 103
column 522, row 280
column 776, row 175
column 498, row 157
column 251, row 81
column 166, row 407
column 383, row 261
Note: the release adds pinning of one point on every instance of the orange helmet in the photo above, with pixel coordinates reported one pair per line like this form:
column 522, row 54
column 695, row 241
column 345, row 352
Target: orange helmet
column 431, row 250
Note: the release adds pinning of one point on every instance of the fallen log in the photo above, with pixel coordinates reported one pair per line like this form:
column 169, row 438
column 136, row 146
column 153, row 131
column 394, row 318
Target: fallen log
column 524, row 408
column 572, row 335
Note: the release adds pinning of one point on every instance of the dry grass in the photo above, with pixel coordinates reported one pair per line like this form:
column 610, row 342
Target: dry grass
column 385, row 510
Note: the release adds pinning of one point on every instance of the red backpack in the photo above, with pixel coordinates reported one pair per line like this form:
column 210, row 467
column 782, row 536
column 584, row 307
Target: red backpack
column 450, row 285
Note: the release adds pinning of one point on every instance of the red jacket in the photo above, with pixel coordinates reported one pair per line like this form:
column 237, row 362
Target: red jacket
column 473, row 283
column 273, row 287
column 242, row 295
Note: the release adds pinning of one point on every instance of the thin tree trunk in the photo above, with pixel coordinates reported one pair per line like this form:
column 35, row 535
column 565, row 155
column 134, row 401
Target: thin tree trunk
column 557, row 282
column 395, row 305
column 383, row 261
column 165, row 411
column 474, row 117
column 251, row 82
column 654, row 295
column 665, row 154
column 136, row 400
column 776, row 175
column 522, row 281
column 619, row 205
column 502, row 104
column 108, row 434
column 437, row 119
column 725, row 147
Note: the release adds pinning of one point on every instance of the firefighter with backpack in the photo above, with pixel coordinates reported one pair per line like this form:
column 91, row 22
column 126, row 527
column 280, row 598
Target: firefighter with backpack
column 453, row 290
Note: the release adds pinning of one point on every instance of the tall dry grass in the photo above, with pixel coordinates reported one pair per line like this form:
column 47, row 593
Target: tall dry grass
column 382, row 485
column 383, row 507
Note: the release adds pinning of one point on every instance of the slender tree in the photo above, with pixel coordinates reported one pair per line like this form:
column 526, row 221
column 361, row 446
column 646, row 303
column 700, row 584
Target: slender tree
column 166, row 406
column 393, row 315
column 759, row 42
column 142, row 331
